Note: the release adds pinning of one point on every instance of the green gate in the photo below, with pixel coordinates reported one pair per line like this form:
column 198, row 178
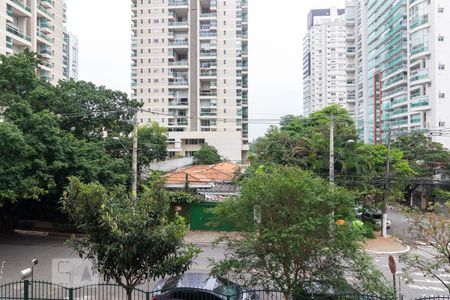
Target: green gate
column 200, row 217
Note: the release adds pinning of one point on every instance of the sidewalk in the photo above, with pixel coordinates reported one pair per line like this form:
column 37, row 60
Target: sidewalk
column 385, row 245
column 207, row 237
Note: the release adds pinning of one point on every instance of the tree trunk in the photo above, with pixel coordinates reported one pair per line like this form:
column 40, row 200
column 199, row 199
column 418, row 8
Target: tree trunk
column 129, row 294
column 6, row 219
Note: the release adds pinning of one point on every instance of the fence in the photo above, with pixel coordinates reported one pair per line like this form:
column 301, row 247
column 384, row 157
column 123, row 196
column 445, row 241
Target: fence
column 41, row 290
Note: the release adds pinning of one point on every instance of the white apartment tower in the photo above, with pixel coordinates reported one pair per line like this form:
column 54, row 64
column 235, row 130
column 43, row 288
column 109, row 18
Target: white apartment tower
column 71, row 56
column 402, row 67
column 36, row 25
column 190, row 71
column 324, row 60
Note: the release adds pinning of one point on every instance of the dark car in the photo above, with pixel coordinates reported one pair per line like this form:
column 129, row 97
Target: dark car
column 193, row 286
column 375, row 217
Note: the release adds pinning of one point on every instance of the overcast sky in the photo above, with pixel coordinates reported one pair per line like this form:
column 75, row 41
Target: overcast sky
column 276, row 30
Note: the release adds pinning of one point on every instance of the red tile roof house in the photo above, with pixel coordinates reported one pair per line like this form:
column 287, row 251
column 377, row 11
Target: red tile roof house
column 209, row 180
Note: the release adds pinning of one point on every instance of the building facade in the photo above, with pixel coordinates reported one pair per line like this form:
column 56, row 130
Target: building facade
column 71, row 56
column 36, row 25
column 190, row 71
column 324, row 60
column 401, row 67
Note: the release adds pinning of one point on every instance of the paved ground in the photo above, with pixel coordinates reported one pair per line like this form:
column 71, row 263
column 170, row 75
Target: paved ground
column 16, row 253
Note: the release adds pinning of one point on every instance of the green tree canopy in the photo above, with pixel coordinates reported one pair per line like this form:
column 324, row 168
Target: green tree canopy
column 127, row 243
column 304, row 142
column 57, row 130
column 297, row 242
column 426, row 157
column 207, row 155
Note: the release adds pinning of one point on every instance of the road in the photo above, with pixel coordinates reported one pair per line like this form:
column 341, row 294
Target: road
column 16, row 253
column 399, row 225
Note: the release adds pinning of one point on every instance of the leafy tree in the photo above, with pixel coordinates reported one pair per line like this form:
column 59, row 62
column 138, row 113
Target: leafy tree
column 433, row 229
column 207, row 155
column 152, row 144
column 426, row 157
column 17, row 180
column 128, row 244
column 47, row 151
column 304, row 142
column 88, row 111
column 304, row 235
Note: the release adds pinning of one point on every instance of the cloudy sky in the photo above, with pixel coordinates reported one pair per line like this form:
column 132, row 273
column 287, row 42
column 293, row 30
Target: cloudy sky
column 276, row 30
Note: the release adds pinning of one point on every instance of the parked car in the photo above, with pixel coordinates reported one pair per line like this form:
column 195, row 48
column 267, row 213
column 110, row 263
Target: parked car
column 359, row 209
column 375, row 217
column 192, row 286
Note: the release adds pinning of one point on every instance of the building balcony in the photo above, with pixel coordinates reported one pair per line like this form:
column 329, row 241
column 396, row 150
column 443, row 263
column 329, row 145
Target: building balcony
column 208, row 15
column 418, row 76
column 420, row 103
column 208, row 112
column 46, row 53
column 182, row 24
column 45, row 65
column 20, row 36
column 43, row 12
column 176, row 102
column 208, row 53
column 44, row 38
column 22, row 7
column 47, row 4
column 175, row 3
column 208, row 73
column 419, row 21
column 179, row 43
column 179, row 83
column 208, row 65
column 178, row 122
column 207, row 34
column 419, row 50
column 208, row 93
column 179, row 64
column 46, row 28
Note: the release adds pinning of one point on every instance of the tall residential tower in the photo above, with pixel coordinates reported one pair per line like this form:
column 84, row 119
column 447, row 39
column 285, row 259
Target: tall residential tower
column 36, row 25
column 402, row 67
column 324, row 60
column 190, row 71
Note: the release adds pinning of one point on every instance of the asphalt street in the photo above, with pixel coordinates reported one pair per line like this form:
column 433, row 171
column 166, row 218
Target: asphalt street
column 16, row 253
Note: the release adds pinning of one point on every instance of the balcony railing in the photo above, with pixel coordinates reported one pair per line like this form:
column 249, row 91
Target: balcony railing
column 208, row 112
column 208, row 93
column 45, row 11
column 179, row 102
column 178, row 63
column 419, row 75
column 178, row 2
column 23, row 5
column 183, row 23
column 178, row 82
column 208, row 15
column 179, row 42
column 17, row 32
column 41, row 35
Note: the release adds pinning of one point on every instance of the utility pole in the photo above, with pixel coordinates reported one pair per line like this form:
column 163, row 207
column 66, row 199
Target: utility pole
column 331, row 149
column 134, row 159
column 386, row 185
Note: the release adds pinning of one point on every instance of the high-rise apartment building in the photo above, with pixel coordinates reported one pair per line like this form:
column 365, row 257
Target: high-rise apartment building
column 324, row 60
column 190, row 71
column 401, row 66
column 70, row 56
column 36, row 25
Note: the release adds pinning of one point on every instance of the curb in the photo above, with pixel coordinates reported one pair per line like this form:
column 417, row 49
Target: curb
column 408, row 248
column 46, row 233
column 30, row 232
column 389, row 252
